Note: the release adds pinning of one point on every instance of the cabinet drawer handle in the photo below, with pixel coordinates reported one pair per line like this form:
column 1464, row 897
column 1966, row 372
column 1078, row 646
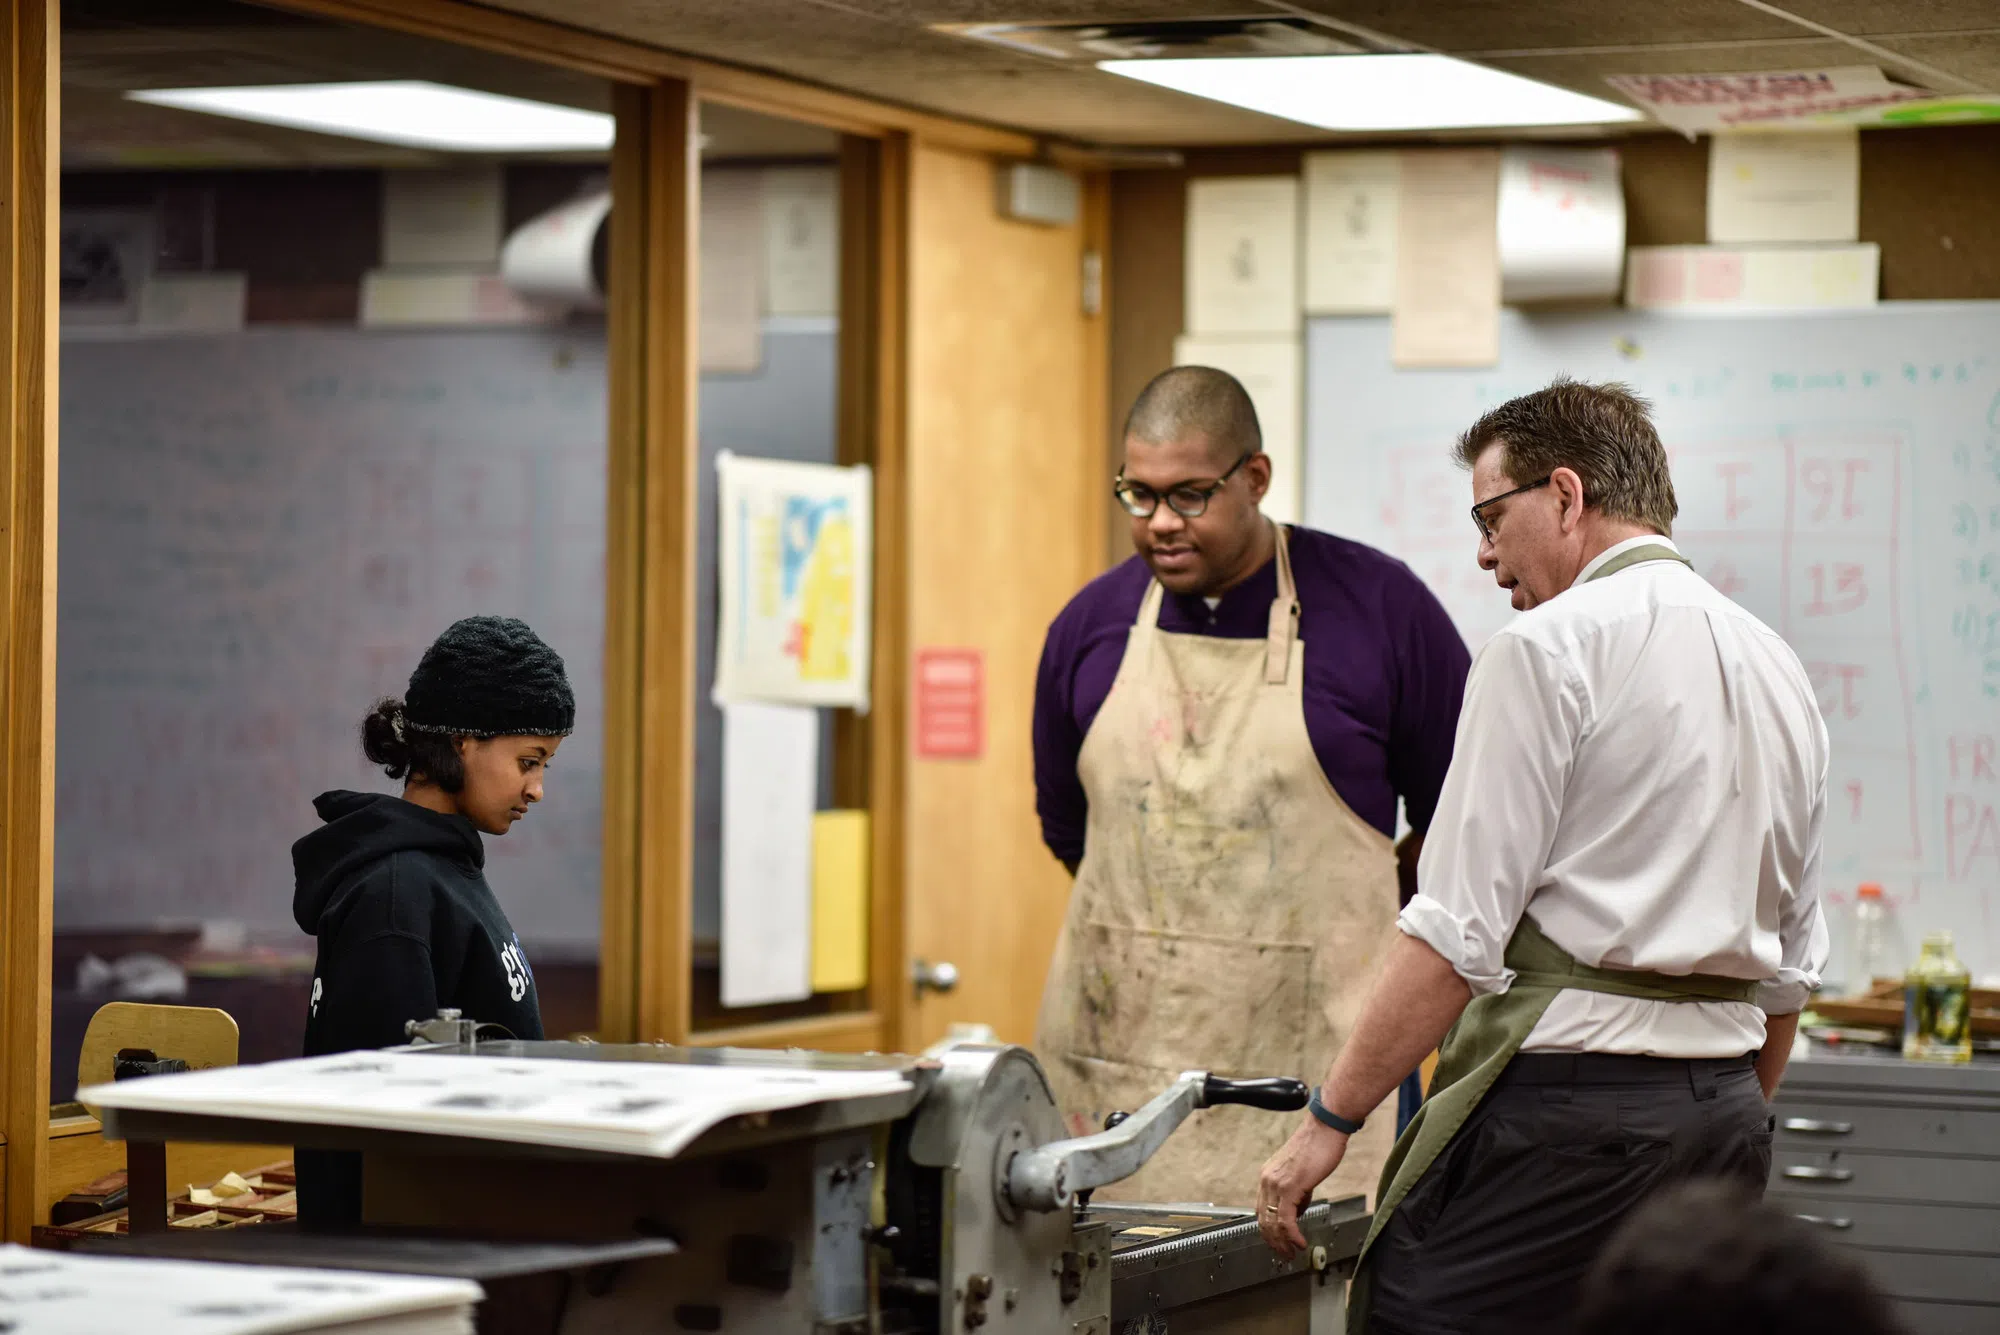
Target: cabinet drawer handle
column 1826, row 1221
column 1807, row 1126
column 1805, row 1173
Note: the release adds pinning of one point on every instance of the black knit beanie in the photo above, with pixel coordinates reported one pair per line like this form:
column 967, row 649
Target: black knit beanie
column 490, row 677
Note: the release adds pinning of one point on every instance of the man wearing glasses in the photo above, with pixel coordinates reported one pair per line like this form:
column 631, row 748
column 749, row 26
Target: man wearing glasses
column 1619, row 915
column 1223, row 727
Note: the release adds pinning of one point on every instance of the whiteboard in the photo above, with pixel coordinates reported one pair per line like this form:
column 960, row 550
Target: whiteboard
column 260, row 532
column 1838, row 475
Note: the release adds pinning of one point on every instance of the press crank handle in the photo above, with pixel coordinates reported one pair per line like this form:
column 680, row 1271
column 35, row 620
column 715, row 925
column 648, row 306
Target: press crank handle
column 1274, row 1094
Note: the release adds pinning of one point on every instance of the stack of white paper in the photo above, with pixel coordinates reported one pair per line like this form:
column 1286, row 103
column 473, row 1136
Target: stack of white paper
column 63, row 1293
column 653, row 1109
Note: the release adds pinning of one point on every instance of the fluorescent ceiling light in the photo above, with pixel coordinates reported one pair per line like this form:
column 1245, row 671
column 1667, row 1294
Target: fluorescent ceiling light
column 413, row 113
column 1388, row 92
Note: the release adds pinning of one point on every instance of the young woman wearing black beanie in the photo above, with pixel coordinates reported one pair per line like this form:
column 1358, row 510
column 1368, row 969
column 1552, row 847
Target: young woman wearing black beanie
column 394, row 887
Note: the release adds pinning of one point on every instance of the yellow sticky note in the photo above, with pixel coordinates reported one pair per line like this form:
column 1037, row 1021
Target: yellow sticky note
column 840, row 901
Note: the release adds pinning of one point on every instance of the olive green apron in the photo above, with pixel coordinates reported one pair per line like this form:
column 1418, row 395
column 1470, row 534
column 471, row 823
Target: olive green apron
column 1494, row 1027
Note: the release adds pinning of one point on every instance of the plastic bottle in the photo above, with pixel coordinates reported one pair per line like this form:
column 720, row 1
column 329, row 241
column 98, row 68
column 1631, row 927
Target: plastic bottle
column 1937, row 1005
column 1872, row 958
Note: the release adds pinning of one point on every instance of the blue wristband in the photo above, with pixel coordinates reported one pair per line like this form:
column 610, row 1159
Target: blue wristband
column 1329, row 1118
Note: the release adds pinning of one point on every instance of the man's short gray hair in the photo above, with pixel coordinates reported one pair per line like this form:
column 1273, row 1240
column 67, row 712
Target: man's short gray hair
column 1604, row 432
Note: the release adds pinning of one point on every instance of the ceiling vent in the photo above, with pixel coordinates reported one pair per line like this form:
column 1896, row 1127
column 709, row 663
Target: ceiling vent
column 1088, row 43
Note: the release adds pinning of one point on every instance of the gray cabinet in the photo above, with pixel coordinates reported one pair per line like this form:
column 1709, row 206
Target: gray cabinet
column 1901, row 1162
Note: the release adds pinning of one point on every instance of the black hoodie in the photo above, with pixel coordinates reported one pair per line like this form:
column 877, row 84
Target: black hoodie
column 406, row 924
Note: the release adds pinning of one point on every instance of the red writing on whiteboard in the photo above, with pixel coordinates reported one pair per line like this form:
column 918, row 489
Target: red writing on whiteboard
column 1854, row 799
column 1972, row 757
column 1836, row 685
column 1732, row 503
column 1826, row 479
column 1725, row 579
column 1838, row 587
column 1971, row 837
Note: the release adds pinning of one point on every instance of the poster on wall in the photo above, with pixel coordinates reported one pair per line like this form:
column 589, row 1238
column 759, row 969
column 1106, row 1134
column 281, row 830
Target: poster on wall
column 794, row 555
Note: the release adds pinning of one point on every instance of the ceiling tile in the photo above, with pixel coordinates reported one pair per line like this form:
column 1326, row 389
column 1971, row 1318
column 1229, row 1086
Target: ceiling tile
column 1971, row 56
column 1870, row 18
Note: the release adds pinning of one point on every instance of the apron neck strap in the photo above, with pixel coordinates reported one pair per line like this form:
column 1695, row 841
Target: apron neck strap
column 1284, row 615
column 1632, row 556
column 1284, row 625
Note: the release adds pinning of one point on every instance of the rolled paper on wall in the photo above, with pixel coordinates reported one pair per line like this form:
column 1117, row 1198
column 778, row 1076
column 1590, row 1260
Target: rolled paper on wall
column 560, row 258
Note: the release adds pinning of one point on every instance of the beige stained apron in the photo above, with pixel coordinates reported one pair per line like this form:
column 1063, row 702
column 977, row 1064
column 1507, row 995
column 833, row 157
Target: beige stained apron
column 1229, row 912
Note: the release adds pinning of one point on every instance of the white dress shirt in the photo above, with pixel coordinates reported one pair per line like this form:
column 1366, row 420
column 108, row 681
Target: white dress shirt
column 1641, row 767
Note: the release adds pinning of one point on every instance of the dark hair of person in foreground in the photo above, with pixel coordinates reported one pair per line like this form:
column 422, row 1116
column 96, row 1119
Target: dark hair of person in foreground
column 1710, row 1257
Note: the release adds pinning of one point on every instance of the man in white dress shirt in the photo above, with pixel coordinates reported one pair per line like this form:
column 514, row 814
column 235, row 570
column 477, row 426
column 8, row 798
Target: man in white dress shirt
column 1617, row 919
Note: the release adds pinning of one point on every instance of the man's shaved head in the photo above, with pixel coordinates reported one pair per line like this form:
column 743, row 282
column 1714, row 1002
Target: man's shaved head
column 1191, row 401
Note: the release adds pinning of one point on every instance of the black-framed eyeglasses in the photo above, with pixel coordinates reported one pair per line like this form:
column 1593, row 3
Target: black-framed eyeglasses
column 1479, row 517
column 1187, row 499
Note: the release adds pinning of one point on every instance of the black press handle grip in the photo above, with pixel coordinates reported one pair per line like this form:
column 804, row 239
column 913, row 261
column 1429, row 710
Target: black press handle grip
column 1277, row 1093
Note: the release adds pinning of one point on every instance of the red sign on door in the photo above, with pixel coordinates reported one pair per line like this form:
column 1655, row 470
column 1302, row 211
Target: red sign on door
column 951, row 704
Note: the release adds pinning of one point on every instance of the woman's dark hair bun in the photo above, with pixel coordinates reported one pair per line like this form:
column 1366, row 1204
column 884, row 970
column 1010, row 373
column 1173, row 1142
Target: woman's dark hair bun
column 380, row 741
column 405, row 754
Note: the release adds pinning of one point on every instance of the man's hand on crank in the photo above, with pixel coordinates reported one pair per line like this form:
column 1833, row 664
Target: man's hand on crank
column 1289, row 1180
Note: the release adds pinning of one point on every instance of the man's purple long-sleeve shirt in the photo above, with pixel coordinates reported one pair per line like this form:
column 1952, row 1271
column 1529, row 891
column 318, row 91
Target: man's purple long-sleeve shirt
column 1384, row 676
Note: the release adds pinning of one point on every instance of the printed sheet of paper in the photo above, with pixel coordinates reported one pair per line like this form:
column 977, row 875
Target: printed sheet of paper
column 1269, row 370
column 795, row 552
column 731, row 332
column 653, row 1109
column 205, row 303
column 79, row 1293
column 1562, row 224
column 802, row 241
column 1448, row 260
column 1792, row 186
column 770, row 782
column 1730, row 279
column 1350, row 219
column 1242, row 255
column 448, row 218
column 1708, row 103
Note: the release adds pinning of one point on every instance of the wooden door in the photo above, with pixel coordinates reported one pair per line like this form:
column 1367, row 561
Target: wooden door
column 1005, row 515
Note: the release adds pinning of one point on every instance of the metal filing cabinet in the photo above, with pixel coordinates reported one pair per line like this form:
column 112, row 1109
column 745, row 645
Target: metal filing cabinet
column 1900, row 1161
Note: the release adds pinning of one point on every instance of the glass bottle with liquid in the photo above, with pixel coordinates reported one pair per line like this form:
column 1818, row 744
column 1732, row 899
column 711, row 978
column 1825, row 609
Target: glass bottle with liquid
column 1937, row 1005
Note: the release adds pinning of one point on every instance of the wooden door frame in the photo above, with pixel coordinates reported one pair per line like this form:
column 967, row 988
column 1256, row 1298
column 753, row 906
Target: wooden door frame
column 645, row 957
column 30, row 35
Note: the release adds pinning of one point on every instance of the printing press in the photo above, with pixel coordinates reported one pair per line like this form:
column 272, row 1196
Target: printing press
column 956, row 1204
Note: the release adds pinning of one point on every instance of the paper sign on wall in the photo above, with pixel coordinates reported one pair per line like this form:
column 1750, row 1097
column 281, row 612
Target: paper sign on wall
column 730, row 338
column 1795, row 186
column 794, row 547
column 1242, row 255
column 1770, row 99
column 950, row 704
column 1743, row 279
column 802, row 241
column 770, row 779
column 1448, row 260
column 1350, row 221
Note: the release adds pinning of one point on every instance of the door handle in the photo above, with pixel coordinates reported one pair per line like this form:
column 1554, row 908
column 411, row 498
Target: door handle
column 1808, row 1126
column 941, row 977
column 1806, row 1173
column 1825, row 1221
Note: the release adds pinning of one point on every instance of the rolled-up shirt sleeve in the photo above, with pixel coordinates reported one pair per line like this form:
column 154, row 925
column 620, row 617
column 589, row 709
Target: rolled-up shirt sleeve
column 1802, row 935
column 1497, row 814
